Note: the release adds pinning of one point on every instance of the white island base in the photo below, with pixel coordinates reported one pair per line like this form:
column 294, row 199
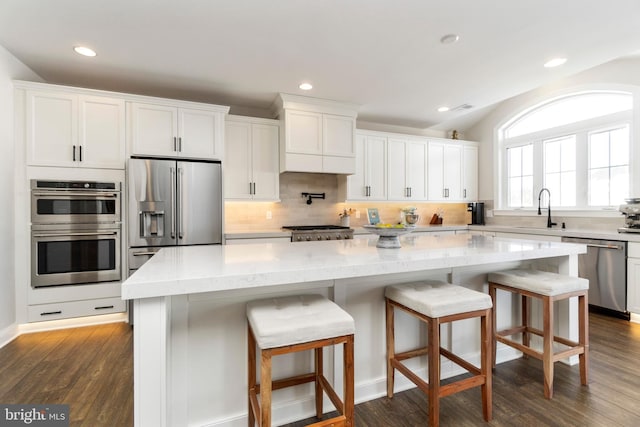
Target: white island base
column 190, row 338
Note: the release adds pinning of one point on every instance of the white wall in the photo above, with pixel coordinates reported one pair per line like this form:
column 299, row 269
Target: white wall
column 624, row 73
column 10, row 69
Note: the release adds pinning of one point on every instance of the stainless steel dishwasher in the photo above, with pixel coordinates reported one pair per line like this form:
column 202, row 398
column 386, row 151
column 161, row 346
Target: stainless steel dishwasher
column 605, row 265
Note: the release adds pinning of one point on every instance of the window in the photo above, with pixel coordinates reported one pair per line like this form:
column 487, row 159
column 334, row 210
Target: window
column 576, row 146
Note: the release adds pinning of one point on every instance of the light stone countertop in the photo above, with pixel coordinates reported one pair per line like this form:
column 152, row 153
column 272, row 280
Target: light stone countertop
column 557, row 231
column 197, row 269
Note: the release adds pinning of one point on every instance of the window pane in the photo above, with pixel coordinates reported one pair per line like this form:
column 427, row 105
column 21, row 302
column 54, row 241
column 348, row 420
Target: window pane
column 619, row 185
column 570, row 109
column 515, row 161
column 552, row 156
column 527, row 159
column 552, row 182
column 620, row 146
column 599, row 187
column 527, row 191
column 568, row 154
column 568, row 189
column 599, row 150
column 515, row 192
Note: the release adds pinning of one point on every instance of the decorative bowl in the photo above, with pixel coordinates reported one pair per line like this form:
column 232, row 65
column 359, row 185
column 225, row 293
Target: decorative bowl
column 388, row 236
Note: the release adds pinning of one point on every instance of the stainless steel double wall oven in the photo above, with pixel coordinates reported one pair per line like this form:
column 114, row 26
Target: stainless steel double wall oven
column 75, row 232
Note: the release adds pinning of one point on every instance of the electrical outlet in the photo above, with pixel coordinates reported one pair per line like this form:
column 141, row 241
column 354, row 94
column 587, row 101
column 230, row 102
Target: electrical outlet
column 357, row 214
column 269, row 215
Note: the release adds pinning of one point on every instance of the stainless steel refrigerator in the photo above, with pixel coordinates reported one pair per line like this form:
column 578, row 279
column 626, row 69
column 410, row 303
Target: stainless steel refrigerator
column 172, row 202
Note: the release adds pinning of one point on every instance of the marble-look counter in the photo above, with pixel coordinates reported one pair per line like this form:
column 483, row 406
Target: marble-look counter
column 190, row 341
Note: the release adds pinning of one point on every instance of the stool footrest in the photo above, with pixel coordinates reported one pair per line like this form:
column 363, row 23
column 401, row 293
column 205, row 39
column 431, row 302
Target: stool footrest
column 574, row 347
column 339, row 421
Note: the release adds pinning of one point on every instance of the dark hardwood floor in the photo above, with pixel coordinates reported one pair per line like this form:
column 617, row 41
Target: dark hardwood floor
column 91, row 370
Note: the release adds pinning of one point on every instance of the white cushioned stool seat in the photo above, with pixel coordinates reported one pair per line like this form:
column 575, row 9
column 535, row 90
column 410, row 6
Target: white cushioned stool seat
column 435, row 298
column 542, row 282
column 278, row 322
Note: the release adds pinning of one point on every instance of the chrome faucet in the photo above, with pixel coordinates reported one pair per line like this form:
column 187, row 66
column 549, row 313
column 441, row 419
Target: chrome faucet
column 549, row 223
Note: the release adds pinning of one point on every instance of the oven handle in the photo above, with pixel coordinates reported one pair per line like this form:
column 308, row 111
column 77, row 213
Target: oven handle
column 144, row 253
column 73, row 194
column 89, row 233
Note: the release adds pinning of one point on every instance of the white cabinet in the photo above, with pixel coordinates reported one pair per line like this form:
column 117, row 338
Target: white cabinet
column 452, row 171
column 317, row 135
column 168, row 130
column 407, row 165
column 469, row 173
column 633, row 278
column 251, row 170
column 370, row 179
column 70, row 309
column 74, row 130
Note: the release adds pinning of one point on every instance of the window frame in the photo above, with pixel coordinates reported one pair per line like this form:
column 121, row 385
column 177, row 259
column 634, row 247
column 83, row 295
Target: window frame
column 581, row 129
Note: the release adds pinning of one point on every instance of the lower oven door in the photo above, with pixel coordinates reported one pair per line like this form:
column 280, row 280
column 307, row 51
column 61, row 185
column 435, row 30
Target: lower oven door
column 73, row 257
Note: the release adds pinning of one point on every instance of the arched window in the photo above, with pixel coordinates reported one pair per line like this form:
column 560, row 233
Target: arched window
column 577, row 146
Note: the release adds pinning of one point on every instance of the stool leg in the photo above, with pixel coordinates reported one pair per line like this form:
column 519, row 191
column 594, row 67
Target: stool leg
column 349, row 395
column 319, row 372
column 485, row 364
column 251, row 373
column 583, row 325
column 390, row 346
column 526, row 301
column 434, row 371
column 265, row 388
column 492, row 294
column 547, row 356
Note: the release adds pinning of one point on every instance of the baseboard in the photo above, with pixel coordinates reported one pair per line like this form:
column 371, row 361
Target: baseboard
column 8, row 334
column 76, row 322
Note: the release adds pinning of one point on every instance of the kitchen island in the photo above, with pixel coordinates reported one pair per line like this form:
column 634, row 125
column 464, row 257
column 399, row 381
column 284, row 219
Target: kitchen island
column 190, row 329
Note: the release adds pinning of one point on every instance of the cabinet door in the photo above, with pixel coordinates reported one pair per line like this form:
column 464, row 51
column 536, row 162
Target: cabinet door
column 154, row 129
column 102, row 132
column 198, row 136
column 633, row 285
column 303, row 132
column 453, row 172
column 356, row 183
column 416, row 170
column 396, row 165
column 52, row 128
column 376, row 168
column 266, row 169
column 237, row 165
column 435, row 171
column 470, row 173
column 338, row 135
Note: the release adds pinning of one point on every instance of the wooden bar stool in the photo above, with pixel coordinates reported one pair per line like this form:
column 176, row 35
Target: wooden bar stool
column 547, row 287
column 292, row 324
column 435, row 303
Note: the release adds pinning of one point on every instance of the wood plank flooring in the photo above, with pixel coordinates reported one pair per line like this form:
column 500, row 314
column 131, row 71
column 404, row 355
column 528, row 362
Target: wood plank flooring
column 91, row 370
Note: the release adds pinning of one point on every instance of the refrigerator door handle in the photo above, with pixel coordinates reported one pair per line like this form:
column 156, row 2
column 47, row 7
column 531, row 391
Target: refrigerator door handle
column 179, row 204
column 172, row 172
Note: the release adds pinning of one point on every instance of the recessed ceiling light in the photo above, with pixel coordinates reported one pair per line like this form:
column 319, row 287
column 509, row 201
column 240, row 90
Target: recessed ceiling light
column 443, row 109
column 555, row 62
column 449, row 39
column 306, row 86
column 84, row 51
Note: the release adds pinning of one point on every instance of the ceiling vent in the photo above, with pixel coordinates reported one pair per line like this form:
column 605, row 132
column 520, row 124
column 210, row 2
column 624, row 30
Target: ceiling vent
column 462, row 107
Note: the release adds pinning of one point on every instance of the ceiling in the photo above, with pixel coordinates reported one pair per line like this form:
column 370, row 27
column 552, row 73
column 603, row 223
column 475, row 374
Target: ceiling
column 384, row 55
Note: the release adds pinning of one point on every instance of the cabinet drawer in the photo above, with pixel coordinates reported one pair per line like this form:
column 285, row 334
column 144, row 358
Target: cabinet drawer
column 65, row 310
column 633, row 250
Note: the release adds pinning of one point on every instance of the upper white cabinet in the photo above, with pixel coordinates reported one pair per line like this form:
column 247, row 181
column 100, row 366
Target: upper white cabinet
column 171, row 131
column 369, row 182
column 453, row 171
column 316, row 135
column 407, row 165
column 251, row 170
column 470, row 173
column 74, row 130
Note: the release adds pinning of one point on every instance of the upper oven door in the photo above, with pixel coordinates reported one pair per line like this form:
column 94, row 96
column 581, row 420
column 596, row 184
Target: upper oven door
column 72, row 206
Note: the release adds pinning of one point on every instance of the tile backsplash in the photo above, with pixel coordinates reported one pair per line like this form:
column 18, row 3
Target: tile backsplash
column 294, row 210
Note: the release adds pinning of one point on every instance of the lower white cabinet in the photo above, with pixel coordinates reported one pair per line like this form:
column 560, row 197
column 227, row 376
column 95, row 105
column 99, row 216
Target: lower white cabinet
column 633, row 278
column 251, row 169
column 66, row 310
